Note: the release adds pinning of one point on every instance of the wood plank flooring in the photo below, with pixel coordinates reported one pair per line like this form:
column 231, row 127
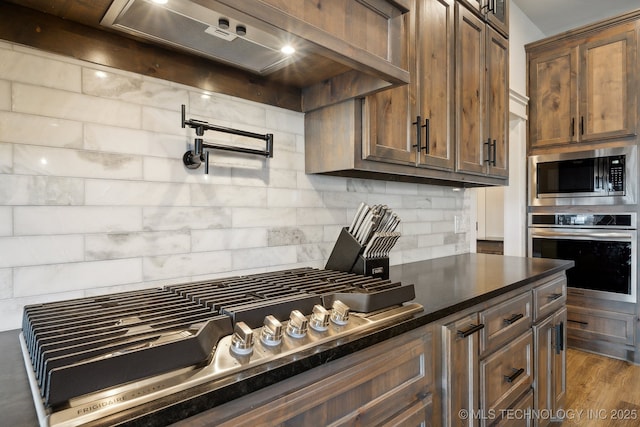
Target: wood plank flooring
column 601, row 391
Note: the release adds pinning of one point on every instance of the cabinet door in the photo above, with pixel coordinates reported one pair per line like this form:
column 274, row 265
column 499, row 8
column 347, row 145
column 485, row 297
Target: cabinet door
column 559, row 359
column 460, row 370
column 550, row 358
column 470, row 81
column 435, row 44
column 388, row 134
column 497, row 62
column 607, row 89
column 544, row 360
column 498, row 15
column 553, row 92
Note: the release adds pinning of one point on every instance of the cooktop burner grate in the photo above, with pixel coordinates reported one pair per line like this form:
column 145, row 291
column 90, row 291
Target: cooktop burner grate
column 90, row 344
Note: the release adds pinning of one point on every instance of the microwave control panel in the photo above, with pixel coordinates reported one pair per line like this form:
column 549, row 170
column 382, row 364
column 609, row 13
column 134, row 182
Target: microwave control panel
column 616, row 173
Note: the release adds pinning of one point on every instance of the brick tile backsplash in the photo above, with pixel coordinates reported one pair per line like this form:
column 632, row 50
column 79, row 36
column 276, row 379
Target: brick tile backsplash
column 94, row 197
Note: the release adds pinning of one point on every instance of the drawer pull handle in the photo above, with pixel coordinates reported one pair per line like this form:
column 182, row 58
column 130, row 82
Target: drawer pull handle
column 511, row 378
column 554, row 297
column 513, row 319
column 472, row 330
column 578, row 322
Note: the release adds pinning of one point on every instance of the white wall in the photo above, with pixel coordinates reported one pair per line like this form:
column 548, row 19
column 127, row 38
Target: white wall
column 94, row 197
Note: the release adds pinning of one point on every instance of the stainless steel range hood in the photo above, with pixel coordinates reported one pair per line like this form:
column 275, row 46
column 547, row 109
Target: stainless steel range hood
column 202, row 30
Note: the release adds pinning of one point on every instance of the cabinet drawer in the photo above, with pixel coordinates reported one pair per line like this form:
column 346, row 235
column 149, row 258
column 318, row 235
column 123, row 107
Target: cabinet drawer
column 506, row 374
column 520, row 414
column 549, row 297
column 600, row 325
column 504, row 322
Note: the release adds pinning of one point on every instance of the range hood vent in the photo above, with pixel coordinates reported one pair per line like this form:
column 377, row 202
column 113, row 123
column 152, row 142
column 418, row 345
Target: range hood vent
column 193, row 27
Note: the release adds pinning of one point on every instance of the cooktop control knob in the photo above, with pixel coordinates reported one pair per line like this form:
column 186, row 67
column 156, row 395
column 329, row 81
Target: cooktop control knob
column 319, row 318
column 271, row 331
column 339, row 313
column 242, row 340
column 297, row 327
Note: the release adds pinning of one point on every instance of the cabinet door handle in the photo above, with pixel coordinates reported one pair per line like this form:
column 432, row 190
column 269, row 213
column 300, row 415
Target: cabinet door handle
column 511, row 378
column 578, row 322
column 554, row 297
column 427, row 134
column 494, row 153
column 513, row 319
column 573, row 126
column 488, row 144
column 472, row 330
column 559, row 337
column 581, row 125
column 418, row 144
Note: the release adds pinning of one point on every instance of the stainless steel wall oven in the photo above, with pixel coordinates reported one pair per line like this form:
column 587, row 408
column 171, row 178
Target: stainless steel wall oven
column 603, row 246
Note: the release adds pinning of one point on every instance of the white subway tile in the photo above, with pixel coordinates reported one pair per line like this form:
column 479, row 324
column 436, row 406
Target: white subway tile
column 35, row 160
column 413, row 255
column 128, row 193
column 43, row 279
column 132, row 88
column 366, row 186
column 287, row 160
column 263, row 217
column 310, row 216
column 134, row 141
column 129, row 245
column 67, row 105
column 225, row 239
column 46, row 220
column 402, row 188
column 20, row 67
column 221, row 195
column 285, row 120
column 5, row 95
column 391, row 200
column 435, row 239
column 282, row 236
column 35, row 250
column 197, row 263
column 216, row 108
column 313, row 252
column 6, row 221
column 284, row 197
column 321, row 182
column 6, row 158
column 37, row 130
column 264, row 257
column 335, row 199
column 40, row 190
column 185, row 218
column 6, row 283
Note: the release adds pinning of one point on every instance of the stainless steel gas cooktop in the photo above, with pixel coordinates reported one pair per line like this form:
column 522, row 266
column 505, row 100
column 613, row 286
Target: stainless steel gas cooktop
column 93, row 357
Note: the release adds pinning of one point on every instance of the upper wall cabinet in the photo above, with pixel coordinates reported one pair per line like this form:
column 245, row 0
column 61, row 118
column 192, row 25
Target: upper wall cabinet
column 496, row 12
column 482, row 75
column 436, row 128
column 583, row 87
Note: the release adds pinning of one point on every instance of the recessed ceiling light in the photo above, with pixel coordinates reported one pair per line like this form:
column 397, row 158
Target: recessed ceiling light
column 287, row 49
column 160, row 1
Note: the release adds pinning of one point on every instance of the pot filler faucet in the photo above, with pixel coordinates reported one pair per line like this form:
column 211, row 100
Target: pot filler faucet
column 193, row 158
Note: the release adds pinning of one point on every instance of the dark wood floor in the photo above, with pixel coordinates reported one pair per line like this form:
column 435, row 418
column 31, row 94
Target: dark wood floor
column 601, row 391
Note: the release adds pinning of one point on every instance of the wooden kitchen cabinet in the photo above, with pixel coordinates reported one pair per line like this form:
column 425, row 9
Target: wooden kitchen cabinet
column 388, row 384
column 550, row 339
column 410, row 132
column 493, row 358
column 583, row 87
column 482, row 70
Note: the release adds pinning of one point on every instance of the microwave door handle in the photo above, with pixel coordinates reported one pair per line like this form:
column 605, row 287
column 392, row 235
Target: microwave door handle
column 583, row 236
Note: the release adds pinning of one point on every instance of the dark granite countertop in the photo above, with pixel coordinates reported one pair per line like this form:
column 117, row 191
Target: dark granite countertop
column 443, row 286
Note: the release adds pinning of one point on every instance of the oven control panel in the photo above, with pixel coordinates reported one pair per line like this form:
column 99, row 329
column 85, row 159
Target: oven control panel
column 627, row 220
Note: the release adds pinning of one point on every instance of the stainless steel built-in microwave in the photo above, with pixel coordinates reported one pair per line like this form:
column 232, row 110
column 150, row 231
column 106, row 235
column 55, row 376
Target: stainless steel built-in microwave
column 596, row 177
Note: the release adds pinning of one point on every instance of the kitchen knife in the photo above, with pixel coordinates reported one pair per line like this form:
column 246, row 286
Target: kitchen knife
column 359, row 211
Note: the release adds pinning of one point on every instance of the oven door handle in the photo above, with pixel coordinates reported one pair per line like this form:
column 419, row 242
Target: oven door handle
column 584, row 235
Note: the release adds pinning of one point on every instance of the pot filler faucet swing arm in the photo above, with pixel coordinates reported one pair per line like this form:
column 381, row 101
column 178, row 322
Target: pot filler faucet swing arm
column 193, row 158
